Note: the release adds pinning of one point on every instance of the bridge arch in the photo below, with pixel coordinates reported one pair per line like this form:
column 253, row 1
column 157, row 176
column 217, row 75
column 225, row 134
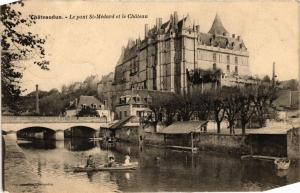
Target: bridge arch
column 81, row 131
column 36, row 132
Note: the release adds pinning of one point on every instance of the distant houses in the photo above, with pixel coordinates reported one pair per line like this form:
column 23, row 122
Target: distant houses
column 133, row 105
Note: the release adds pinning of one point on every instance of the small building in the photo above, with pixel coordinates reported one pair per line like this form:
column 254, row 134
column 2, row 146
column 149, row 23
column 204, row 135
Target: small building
column 126, row 129
column 182, row 133
column 133, row 105
column 88, row 102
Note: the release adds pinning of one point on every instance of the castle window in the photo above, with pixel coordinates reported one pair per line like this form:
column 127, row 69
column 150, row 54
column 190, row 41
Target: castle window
column 236, row 70
column 125, row 113
column 236, row 60
column 228, row 59
column 214, row 56
column 214, row 66
column 120, row 114
column 228, row 68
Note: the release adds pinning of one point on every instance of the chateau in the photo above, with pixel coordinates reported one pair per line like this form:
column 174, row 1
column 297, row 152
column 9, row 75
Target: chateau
column 171, row 53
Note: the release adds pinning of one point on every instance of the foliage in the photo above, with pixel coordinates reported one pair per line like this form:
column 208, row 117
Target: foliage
column 54, row 102
column 17, row 46
column 292, row 84
column 87, row 111
column 238, row 105
column 198, row 76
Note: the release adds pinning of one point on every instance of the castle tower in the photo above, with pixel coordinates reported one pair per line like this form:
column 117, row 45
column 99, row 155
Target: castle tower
column 217, row 27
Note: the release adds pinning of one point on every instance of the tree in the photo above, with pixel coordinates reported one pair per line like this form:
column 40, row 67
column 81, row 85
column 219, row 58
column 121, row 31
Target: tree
column 245, row 104
column 184, row 106
column 218, row 109
column 87, row 111
column 230, row 106
column 52, row 104
column 203, row 105
column 17, row 46
column 263, row 100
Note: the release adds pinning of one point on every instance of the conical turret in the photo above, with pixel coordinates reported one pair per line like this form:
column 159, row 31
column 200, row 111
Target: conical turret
column 217, row 27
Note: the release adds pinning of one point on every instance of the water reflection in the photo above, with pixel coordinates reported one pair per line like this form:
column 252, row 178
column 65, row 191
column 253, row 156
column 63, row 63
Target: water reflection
column 74, row 144
column 39, row 144
column 159, row 169
column 79, row 144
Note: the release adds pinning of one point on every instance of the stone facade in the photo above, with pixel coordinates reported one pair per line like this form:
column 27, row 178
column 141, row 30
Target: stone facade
column 172, row 56
column 133, row 105
column 170, row 51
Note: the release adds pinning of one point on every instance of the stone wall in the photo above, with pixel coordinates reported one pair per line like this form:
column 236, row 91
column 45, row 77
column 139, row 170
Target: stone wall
column 127, row 134
column 293, row 144
column 204, row 141
column 268, row 144
column 221, row 142
column 18, row 173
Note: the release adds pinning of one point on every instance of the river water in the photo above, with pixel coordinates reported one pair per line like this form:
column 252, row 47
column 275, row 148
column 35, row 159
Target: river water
column 159, row 169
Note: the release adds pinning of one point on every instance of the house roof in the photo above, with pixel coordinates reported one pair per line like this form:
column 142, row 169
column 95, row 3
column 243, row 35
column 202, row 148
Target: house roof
column 88, row 100
column 120, row 123
column 269, row 130
column 217, row 27
column 183, row 127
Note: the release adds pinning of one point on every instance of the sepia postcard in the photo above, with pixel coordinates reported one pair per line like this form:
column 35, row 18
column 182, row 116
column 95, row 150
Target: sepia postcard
column 150, row 96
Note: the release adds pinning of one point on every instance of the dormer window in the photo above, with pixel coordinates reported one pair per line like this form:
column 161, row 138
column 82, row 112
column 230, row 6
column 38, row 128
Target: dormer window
column 232, row 44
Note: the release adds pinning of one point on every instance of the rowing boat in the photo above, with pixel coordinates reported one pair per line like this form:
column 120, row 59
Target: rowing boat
column 132, row 166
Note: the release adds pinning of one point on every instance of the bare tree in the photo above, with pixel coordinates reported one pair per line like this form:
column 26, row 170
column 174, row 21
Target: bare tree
column 218, row 109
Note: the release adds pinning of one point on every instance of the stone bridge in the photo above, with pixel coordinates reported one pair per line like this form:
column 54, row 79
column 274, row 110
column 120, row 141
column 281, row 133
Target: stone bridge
column 12, row 124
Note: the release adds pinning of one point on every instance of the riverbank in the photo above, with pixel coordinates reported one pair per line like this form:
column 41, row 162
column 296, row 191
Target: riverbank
column 18, row 172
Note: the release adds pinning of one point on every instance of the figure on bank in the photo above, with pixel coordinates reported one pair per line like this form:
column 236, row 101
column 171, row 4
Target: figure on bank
column 90, row 163
column 127, row 160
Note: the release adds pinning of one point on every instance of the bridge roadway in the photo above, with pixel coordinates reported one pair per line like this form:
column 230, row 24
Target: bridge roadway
column 12, row 124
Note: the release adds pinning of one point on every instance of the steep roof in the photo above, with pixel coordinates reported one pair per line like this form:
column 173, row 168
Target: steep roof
column 221, row 41
column 217, row 27
column 88, row 100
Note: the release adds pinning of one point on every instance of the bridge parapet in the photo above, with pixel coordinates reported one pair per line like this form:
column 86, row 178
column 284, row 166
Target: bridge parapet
column 48, row 119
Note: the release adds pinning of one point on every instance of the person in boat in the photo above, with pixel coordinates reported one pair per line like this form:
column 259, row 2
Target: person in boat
column 111, row 161
column 127, row 160
column 90, row 163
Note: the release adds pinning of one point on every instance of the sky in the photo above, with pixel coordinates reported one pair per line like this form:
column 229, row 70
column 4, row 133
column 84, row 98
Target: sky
column 79, row 48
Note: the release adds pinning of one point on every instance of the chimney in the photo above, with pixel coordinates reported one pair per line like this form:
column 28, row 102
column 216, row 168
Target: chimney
column 273, row 74
column 146, row 30
column 37, row 107
column 159, row 22
column 175, row 17
column 198, row 28
column 233, row 35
